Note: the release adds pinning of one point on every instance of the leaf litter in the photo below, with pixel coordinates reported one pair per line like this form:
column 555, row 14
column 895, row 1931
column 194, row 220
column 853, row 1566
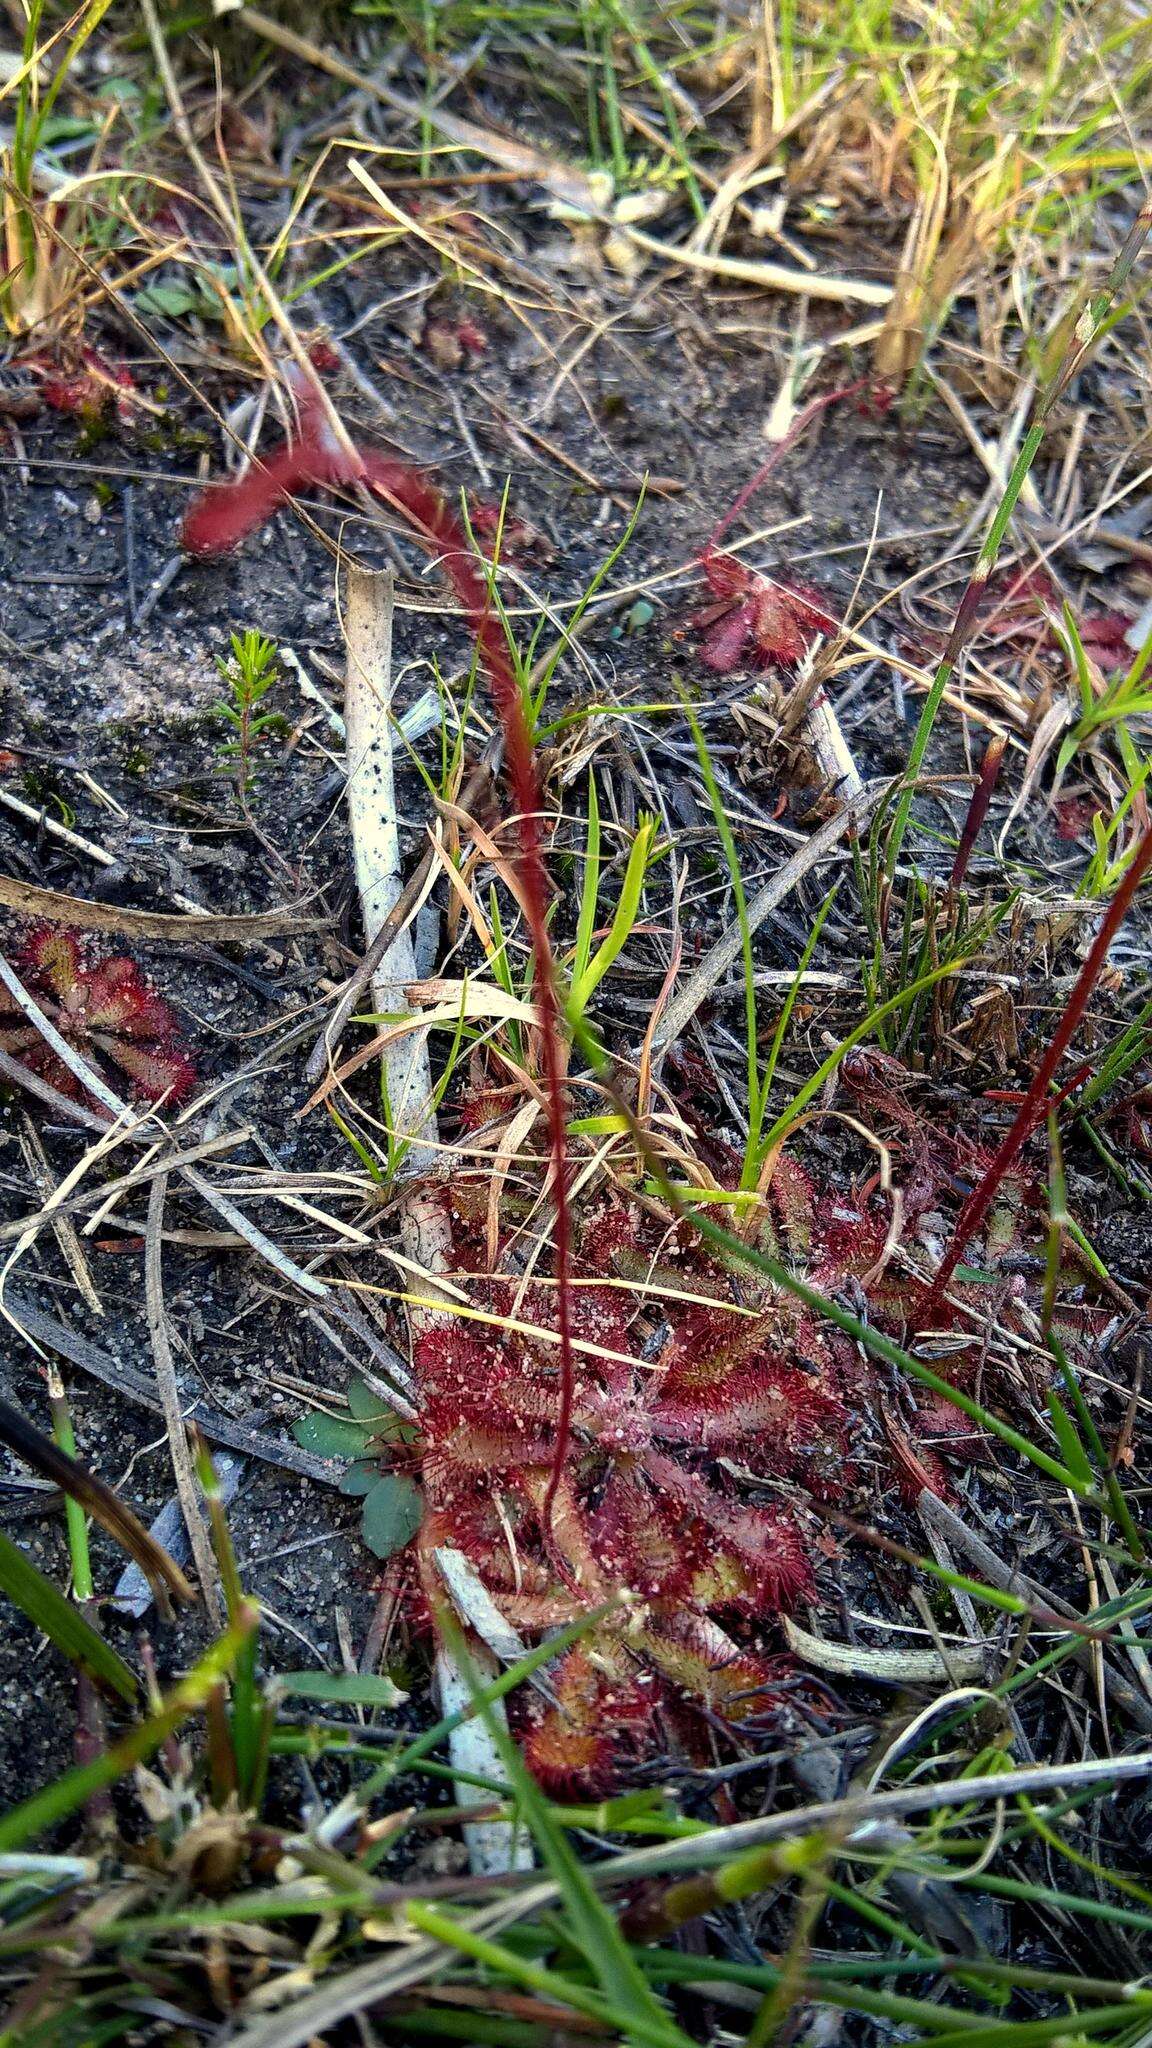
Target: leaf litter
column 669, row 1469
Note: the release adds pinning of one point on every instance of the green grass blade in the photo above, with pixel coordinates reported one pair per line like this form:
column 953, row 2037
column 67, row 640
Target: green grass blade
column 414, row 1752
column 649, row 2026
column 785, row 1016
column 732, row 862
column 58, row 1800
column 590, row 887
column 593, row 1927
column 48, row 1609
column 568, row 633
column 624, row 918
column 1121, row 1513
column 83, row 1584
column 865, row 1029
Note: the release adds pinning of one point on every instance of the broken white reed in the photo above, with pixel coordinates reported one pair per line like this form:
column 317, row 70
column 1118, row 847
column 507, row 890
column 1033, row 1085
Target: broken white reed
column 376, row 847
column 494, row 1846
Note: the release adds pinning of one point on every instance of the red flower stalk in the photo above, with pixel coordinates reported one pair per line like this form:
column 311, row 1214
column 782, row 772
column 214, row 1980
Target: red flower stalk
column 1036, row 1101
column 783, row 447
column 317, row 457
column 105, row 1009
column 978, row 806
column 764, row 621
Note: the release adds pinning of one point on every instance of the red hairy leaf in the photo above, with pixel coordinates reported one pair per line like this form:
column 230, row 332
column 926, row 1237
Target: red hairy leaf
column 105, row 1009
column 699, row 1389
column 768, row 623
column 643, row 1507
column 88, row 387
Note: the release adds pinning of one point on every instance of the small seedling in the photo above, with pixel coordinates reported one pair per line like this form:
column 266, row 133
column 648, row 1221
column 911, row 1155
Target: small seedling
column 249, row 671
column 1114, row 842
column 1107, row 710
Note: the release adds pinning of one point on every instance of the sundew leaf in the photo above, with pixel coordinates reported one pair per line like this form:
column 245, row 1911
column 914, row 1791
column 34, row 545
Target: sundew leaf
column 331, row 1436
column 392, row 1514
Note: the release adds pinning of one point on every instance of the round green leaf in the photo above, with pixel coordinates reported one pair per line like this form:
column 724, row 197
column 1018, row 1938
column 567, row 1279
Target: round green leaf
column 368, row 1407
column 392, row 1513
column 360, row 1478
column 331, row 1436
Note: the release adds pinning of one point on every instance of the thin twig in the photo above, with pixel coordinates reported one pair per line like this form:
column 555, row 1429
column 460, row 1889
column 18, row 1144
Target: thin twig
column 55, row 1211
column 940, row 1518
column 185, row 1477
column 567, row 181
column 44, row 823
column 52, row 906
column 43, row 1332
column 726, row 951
column 254, row 1236
column 772, row 277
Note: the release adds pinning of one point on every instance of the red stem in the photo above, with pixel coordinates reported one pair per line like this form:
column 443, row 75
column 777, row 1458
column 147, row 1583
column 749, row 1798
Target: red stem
column 978, row 806
column 1036, row 1104
column 218, row 521
column 814, row 406
column 441, row 529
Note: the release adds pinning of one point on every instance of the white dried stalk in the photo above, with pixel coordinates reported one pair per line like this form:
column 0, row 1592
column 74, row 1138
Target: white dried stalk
column 376, row 845
column 493, row 1846
column 475, row 1606
column 966, row 1662
column 829, row 748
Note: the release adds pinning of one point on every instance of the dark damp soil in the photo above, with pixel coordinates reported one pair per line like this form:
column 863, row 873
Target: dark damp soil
column 108, row 649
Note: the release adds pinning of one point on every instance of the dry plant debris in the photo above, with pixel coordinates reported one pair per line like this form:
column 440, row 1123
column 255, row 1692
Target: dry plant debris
column 731, row 1378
